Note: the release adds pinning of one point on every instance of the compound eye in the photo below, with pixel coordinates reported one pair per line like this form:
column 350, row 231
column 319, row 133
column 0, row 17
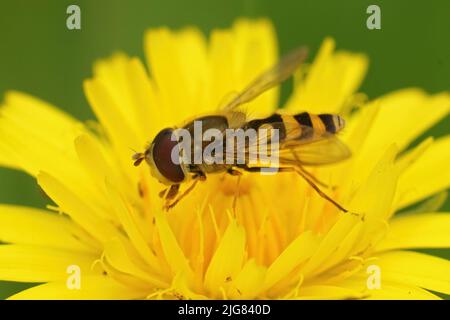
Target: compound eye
column 162, row 156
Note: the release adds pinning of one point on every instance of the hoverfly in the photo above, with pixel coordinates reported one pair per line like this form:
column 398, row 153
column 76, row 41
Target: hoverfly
column 304, row 139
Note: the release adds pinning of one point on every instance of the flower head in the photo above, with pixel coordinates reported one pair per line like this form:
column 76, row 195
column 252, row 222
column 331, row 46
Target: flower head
column 282, row 241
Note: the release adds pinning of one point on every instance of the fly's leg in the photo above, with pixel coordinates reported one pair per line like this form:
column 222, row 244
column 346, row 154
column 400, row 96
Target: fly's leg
column 170, row 193
column 317, row 181
column 311, row 176
column 168, row 206
column 304, row 176
column 200, row 176
column 320, row 192
column 237, row 174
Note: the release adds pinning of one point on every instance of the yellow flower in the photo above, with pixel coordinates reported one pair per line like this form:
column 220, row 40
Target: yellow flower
column 284, row 241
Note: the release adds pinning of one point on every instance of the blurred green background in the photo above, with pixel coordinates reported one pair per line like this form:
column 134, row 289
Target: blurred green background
column 39, row 55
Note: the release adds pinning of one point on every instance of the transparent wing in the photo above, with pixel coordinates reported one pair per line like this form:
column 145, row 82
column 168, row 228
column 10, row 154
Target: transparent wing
column 277, row 74
column 300, row 145
column 327, row 150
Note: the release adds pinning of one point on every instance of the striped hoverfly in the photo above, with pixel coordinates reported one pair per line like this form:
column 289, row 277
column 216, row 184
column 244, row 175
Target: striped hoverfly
column 304, row 139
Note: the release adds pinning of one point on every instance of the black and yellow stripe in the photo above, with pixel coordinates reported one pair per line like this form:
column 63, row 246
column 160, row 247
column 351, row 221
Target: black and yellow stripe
column 295, row 126
column 330, row 123
column 275, row 120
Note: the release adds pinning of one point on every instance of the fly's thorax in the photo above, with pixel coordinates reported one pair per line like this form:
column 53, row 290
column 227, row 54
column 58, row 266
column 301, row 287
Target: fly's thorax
column 203, row 132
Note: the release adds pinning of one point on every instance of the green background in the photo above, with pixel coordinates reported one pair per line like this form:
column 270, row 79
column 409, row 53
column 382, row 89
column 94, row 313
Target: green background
column 40, row 56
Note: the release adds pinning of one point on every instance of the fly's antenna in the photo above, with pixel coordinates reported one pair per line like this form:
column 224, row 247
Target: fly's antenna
column 137, row 157
column 132, row 150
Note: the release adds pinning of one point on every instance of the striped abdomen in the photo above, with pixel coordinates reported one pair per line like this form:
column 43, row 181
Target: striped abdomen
column 301, row 125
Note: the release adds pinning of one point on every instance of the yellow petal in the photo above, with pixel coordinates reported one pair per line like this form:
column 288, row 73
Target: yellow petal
column 181, row 288
column 328, row 292
column 332, row 79
column 25, row 263
column 28, row 122
column 398, row 291
column 128, row 85
column 8, row 158
column 243, row 54
column 389, row 289
column 92, row 288
column 346, row 246
column 227, row 260
column 22, row 225
column 373, row 206
column 182, row 54
column 297, row 252
column 426, row 176
column 330, row 243
column 416, row 269
column 411, row 156
column 418, row 105
column 367, row 206
column 359, row 126
column 131, row 224
column 77, row 209
column 39, row 137
column 426, row 230
column 249, row 282
column 392, row 126
column 172, row 251
column 122, row 256
column 149, row 115
column 94, row 159
column 33, row 130
column 118, row 127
